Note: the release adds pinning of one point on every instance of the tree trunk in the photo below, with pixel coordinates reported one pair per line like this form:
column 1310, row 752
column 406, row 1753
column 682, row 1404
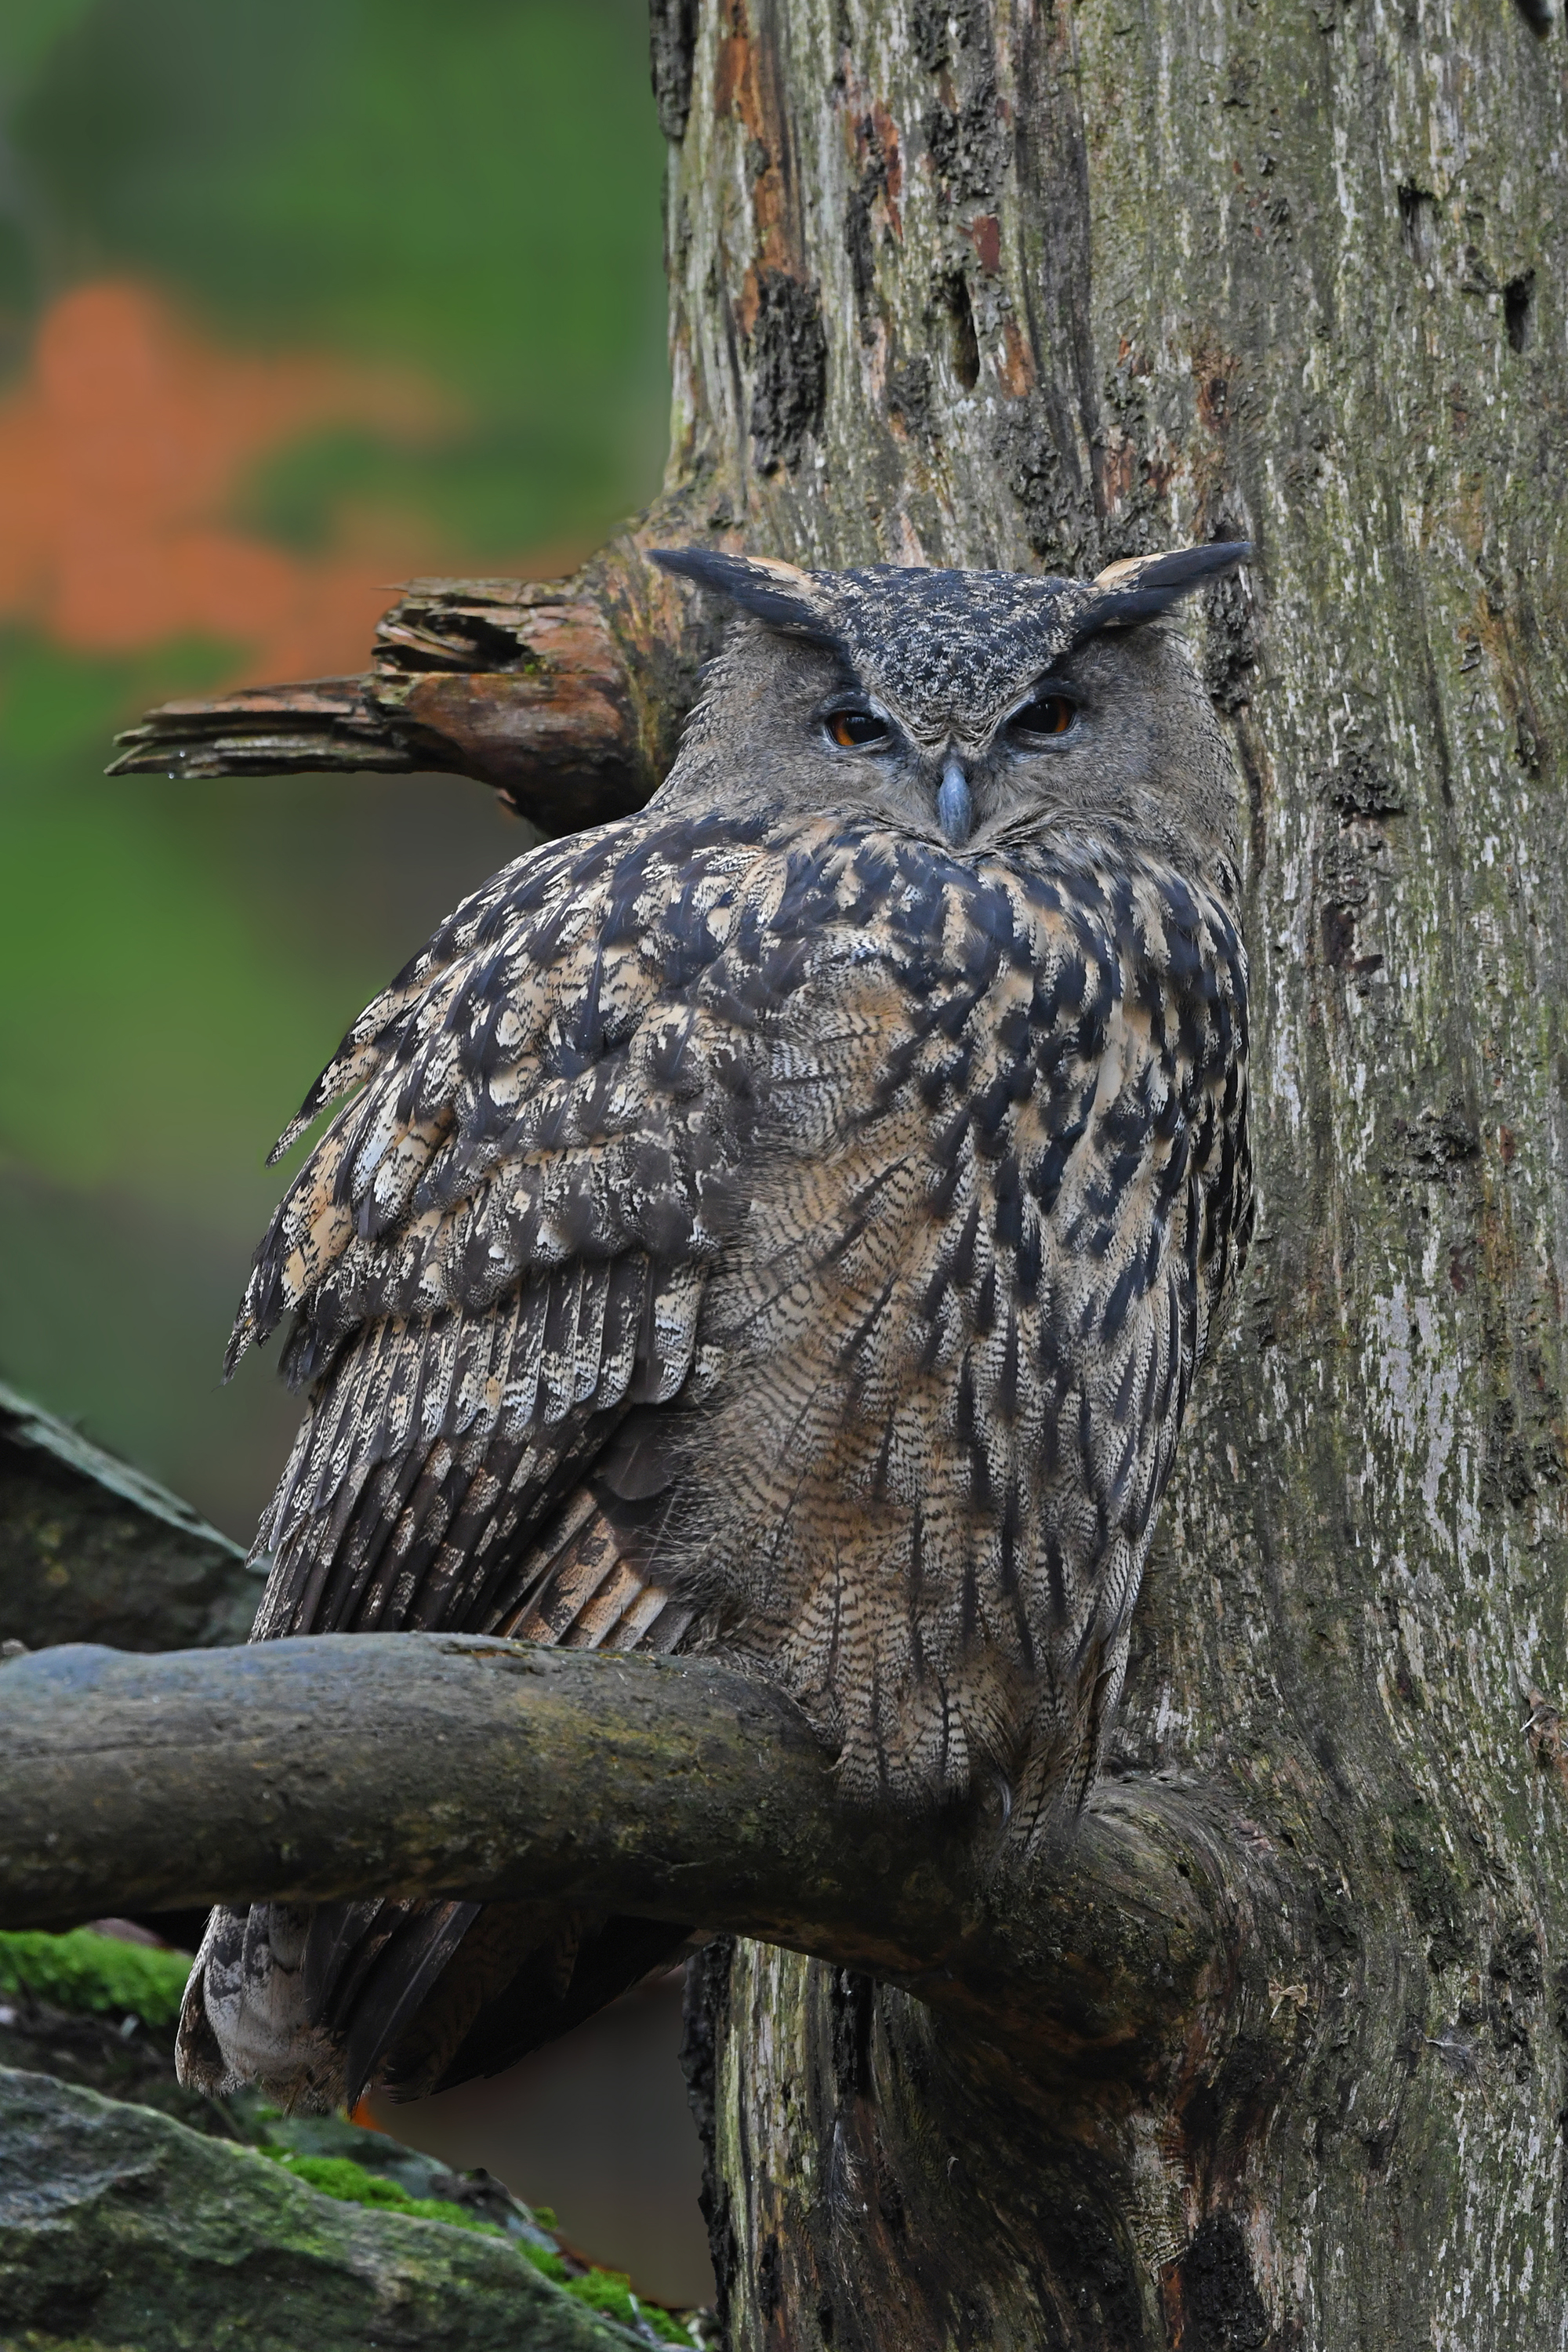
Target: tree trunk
column 1040, row 286
column 1033, row 285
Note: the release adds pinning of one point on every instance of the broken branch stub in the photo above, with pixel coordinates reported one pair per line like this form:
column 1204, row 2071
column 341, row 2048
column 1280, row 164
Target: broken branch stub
column 564, row 696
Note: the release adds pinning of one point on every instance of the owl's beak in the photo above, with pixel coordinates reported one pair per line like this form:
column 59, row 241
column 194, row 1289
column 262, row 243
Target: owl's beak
column 955, row 804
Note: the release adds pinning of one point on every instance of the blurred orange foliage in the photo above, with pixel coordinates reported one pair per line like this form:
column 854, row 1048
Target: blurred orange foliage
column 120, row 454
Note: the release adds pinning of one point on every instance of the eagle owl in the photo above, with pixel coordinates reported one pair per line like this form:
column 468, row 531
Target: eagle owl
column 785, row 1224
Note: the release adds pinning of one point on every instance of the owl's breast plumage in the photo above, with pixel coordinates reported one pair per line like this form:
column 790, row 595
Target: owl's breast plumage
column 997, row 1182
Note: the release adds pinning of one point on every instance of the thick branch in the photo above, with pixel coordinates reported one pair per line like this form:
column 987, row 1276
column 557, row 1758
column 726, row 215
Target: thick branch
column 563, row 695
column 677, row 1788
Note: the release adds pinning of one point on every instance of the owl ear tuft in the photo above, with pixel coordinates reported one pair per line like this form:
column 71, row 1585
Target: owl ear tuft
column 777, row 594
column 1141, row 586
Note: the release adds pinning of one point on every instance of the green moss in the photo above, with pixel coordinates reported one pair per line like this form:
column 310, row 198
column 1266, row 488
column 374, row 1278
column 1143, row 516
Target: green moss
column 610, row 2291
column 544, row 2259
column 607, row 2291
column 95, row 1973
column 340, row 2177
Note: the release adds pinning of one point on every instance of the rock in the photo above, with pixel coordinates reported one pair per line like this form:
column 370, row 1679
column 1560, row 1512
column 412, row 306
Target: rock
column 90, row 1550
column 119, row 2227
column 120, row 2057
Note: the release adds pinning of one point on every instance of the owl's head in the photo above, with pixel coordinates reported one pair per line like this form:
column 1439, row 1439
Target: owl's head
column 978, row 707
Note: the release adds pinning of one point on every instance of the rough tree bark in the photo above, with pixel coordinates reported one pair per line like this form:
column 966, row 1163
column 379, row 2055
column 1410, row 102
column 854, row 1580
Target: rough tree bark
column 1019, row 284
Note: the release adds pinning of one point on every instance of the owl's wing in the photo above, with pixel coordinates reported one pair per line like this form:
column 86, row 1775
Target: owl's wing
column 500, row 1245
column 496, row 1252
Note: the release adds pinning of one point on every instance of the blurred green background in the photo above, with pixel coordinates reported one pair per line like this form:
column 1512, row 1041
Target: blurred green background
column 298, row 298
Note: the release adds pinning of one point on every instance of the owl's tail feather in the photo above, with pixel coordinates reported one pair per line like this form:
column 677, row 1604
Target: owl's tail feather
column 305, row 2001
column 317, row 2005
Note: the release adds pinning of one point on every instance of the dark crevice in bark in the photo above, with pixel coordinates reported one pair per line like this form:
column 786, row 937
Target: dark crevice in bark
column 1518, row 310
column 963, row 343
column 672, row 40
column 705, row 1996
column 1541, row 15
column 789, row 370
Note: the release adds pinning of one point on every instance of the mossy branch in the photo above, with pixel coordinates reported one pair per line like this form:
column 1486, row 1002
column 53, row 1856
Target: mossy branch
column 677, row 1788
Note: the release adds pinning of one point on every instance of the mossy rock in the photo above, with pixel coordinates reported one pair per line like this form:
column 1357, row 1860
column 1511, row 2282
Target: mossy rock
column 120, row 2227
column 99, row 2013
column 100, row 1975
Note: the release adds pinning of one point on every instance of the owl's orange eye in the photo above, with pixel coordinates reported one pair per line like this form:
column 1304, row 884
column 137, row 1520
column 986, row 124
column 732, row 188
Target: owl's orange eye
column 853, row 731
column 1049, row 714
